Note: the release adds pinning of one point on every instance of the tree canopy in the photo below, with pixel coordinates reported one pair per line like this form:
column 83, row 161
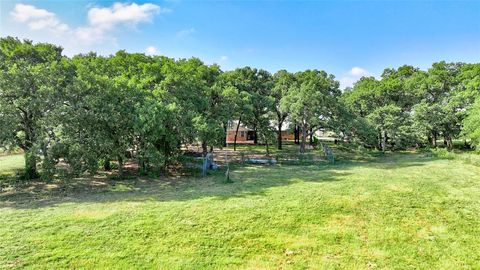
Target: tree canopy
column 89, row 110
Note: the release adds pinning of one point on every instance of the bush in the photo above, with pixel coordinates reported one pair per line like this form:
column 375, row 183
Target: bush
column 468, row 158
column 442, row 153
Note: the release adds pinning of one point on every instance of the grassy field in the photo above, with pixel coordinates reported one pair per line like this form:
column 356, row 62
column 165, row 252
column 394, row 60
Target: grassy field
column 401, row 211
column 10, row 164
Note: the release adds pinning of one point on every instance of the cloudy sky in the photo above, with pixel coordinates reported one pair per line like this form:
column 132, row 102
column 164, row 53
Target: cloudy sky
column 347, row 38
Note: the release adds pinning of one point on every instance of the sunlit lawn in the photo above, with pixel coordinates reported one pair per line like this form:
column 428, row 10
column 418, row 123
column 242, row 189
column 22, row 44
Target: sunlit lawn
column 402, row 211
column 9, row 164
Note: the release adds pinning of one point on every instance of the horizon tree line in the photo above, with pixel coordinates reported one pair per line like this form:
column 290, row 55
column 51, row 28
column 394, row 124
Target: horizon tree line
column 89, row 110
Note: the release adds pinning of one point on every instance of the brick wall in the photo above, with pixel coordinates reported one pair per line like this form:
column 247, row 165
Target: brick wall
column 231, row 136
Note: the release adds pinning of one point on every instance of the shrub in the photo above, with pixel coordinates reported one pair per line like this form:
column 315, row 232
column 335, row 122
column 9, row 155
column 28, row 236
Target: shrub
column 443, row 153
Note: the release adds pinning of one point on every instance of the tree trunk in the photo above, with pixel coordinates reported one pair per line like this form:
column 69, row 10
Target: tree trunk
column 379, row 140
column 142, row 165
column 30, row 165
column 226, row 134
column 434, row 139
column 236, row 133
column 268, row 150
column 311, row 137
column 106, row 165
column 204, row 148
column 30, row 154
column 304, row 139
column 255, row 139
column 166, row 155
column 165, row 165
column 384, row 141
column 449, row 143
column 120, row 167
column 279, row 138
column 296, row 133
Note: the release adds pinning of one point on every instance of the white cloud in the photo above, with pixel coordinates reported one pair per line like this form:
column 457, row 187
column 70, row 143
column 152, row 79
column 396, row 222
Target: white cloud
column 358, row 72
column 120, row 13
column 352, row 76
column 185, row 32
column 89, row 35
column 24, row 13
column 347, row 82
column 151, row 50
column 222, row 61
column 103, row 22
column 37, row 18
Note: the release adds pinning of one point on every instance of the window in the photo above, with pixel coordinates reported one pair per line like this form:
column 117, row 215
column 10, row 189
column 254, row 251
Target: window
column 242, row 134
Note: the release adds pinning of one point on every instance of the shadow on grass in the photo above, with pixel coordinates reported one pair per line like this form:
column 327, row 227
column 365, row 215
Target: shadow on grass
column 248, row 180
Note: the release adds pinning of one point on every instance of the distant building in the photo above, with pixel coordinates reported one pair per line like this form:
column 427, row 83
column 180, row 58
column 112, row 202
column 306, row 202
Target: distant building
column 247, row 135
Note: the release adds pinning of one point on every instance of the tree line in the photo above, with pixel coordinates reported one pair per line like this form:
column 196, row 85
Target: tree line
column 89, row 110
column 411, row 107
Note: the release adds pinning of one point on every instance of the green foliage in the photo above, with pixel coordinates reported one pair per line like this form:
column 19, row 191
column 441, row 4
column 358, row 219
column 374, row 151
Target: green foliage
column 89, row 110
column 442, row 153
column 471, row 124
column 350, row 126
column 99, row 108
column 32, row 82
column 283, row 83
column 362, row 99
column 362, row 131
column 394, row 126
column 429, row 105
column 248, row 99
column 312, row 101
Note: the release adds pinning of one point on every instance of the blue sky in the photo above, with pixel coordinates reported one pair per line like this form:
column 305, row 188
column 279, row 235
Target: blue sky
column 346, row 38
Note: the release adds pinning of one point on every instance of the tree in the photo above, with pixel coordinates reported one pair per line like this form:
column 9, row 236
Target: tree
column 364, row 97
column 428, row 119
column 237, row 88
column 311, row 102
column 32, row 77
column 351, row 127
column 98, row 118
column 91, row 109
column 208, row 123
column 283, row 83
column 393, row 127
column 262, row 105
column 468, row 80
column 395, row 90
column 181, row 94
column 471, row 124
column 434, row 101
column 240, row 106
column 439, row 93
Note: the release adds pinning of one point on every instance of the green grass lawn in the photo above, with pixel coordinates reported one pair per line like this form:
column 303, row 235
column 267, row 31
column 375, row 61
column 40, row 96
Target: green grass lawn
column 10, row 164
column 402, row 211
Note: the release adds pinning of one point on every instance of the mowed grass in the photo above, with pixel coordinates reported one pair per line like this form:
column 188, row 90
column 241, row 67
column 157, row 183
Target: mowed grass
column 402, row 211
column 9, row 164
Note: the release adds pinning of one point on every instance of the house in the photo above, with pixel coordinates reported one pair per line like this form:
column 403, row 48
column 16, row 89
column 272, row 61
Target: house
column 247, row 135
column 244, row 134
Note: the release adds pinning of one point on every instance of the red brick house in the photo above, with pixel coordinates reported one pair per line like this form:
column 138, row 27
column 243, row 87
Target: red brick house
column 246, row 135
